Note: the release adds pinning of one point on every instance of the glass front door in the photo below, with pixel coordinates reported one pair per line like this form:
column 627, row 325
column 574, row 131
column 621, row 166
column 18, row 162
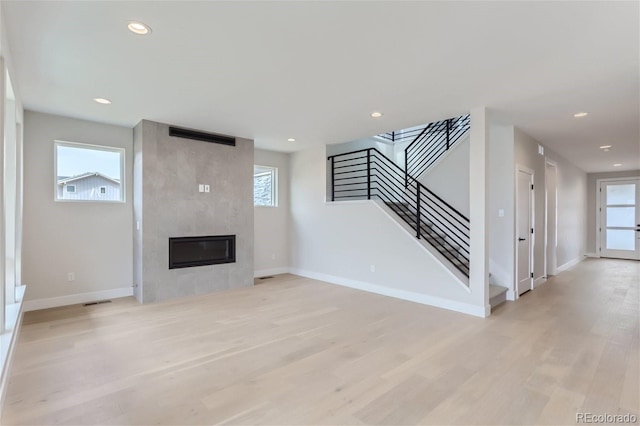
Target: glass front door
column 620, row 219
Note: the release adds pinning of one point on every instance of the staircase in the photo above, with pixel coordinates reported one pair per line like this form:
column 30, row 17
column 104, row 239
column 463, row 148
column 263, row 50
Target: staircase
column 369, row 174
column 433, row 142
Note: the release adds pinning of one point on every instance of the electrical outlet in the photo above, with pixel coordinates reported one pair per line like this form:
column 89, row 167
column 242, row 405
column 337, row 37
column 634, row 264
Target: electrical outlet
column 273, row 256
column 372, row 268
column 200, row 188
column 206, row 188
column 71, row 276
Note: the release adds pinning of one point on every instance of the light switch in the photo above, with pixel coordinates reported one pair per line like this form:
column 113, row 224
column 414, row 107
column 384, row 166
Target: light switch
column 201, row 188
column 500, row 212
column 206, row 188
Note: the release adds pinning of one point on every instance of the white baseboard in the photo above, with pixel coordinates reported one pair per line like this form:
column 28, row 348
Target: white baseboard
column 511, row 295
column 538, row 281
column 596, row 255
column 74, row 299
column 8, row 340
column 570, row 264
column 273, row 271
column 465, row 308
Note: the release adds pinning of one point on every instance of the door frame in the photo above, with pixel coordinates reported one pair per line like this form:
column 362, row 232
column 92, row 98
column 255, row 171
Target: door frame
column 598, row 227
column 532, row 218
column 553, row 164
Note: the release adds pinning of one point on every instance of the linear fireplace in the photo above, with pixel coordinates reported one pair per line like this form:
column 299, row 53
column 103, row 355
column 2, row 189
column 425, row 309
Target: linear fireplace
column 185, row 252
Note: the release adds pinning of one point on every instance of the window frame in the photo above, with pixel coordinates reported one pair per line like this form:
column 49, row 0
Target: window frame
column 273, row 171
column 121, row 151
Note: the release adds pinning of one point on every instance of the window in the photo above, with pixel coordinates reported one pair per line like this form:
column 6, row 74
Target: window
column 265, row 182
column 88, row 172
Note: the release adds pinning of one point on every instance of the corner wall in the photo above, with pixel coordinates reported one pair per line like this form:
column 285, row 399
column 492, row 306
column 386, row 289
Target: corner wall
column 271, row 224
column 92, row 239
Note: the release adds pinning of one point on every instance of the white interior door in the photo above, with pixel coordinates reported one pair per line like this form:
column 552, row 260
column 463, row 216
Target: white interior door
column 524, row 234
column 620, row 219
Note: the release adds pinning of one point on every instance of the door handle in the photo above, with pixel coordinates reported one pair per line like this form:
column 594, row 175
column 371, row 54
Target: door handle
column 521, row 239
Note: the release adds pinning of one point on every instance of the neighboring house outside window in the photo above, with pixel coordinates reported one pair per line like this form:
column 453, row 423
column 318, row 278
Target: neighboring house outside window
column 265, row 184
column 88, row 172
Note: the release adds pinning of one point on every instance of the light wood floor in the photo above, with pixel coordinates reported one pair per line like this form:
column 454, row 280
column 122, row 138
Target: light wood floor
column 297, row 351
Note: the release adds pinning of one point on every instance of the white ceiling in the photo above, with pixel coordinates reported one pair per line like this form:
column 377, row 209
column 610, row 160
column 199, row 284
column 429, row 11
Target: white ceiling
column 314, row 71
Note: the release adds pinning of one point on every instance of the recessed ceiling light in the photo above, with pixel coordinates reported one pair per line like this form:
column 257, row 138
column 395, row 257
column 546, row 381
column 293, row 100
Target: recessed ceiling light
column 139, row 28
column 617, row 165
column 291, row 140
column 376, row 114
column 102, row 101
column 605, row 147
column 580, row 114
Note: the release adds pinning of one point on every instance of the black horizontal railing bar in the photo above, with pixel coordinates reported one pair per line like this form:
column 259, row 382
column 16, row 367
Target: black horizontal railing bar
column 351, row 165
column 430, row 214
column 453, row 217
column 353, row 196
column 349, row 159
column 425, row 147
column 435, row 151
column 410, row 197
column 453, row 210
column 390, row 195
column 398, row 172
column 350, row 171
column 354, row 190
column 426, row 129
column 397, row 188
column 398, row 194
column 351, row 152
column 352, row 183
column 396, row 176
column 437, row 224
column 350, row 178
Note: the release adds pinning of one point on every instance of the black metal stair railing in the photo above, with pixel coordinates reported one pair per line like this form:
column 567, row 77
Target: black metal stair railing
column 368, row 174
column 430, row 144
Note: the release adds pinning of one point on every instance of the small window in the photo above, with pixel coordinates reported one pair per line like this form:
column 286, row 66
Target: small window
column 265, row 183
column 88, row 172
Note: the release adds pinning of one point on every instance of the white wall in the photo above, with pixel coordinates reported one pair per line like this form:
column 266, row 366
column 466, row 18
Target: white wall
column 339, row 242
column 592, row 181
column 502, row 197
column 271, row 224
column 572, row 203
column 93, row 240
column 449, row 176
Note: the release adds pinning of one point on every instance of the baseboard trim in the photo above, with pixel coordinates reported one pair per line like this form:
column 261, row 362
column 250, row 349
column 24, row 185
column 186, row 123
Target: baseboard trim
column 74, row 299
column 511, row 295
column 273, row 271
column 8, row 340
column 465, row 308
column 570, row 264
column 596, row 255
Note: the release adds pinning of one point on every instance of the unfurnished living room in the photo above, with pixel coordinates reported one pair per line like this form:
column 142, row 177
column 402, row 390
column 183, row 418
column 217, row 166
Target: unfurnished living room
column 319, row 212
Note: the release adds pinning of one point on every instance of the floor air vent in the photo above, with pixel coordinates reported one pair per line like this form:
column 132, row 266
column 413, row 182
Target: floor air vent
column 201, row 136
column 99, row 302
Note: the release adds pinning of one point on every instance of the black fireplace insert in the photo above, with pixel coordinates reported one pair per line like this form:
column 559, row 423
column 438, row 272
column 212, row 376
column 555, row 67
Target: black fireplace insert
column 185, row 252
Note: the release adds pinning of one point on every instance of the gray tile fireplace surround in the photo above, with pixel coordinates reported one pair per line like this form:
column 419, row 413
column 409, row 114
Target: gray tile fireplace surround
column 166, row 201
